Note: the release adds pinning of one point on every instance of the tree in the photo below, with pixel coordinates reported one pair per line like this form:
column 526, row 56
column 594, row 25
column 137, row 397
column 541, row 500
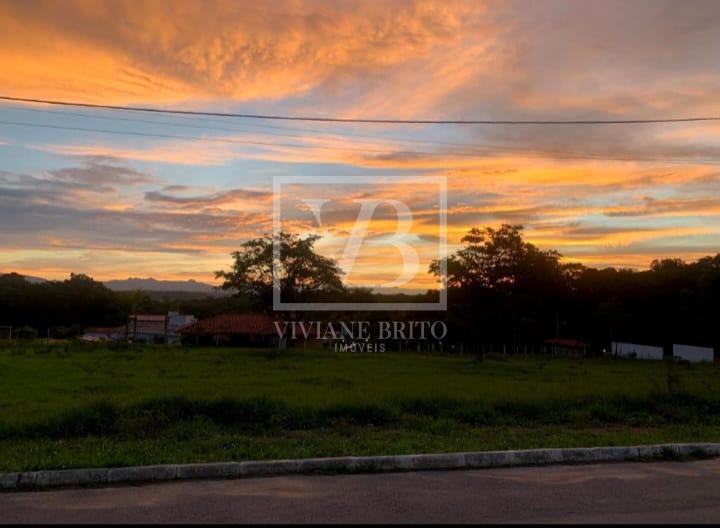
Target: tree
column 78, row 300
column 302, row 273
column 501, row 259
column 505, row 290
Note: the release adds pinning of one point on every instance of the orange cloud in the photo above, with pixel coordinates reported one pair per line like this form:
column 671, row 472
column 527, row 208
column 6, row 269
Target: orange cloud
column 167, row 51
column 602, row 194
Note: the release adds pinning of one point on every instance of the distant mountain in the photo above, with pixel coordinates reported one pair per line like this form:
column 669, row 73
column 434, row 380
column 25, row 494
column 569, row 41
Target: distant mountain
column 154, row 285
column 399, row 291
column 193, row 289
column 34, row 280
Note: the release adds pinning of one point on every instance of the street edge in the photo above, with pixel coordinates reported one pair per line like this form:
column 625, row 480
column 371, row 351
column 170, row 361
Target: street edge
column 97, row 477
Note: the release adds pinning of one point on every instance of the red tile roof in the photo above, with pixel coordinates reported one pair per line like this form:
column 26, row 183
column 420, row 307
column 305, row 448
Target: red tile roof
column 229, row 324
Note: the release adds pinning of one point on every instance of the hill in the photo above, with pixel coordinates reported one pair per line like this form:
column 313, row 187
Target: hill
column 167, row 286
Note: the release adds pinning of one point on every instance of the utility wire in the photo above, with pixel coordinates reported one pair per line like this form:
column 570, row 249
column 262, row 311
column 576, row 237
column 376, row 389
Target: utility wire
column 323, row 135
column 191, row 138
column 481, row 149
column 365, row 120
column 341, row 149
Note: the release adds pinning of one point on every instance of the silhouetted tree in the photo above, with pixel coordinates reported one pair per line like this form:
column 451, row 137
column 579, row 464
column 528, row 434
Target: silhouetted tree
column 500, row 259
column 502, row 290
column 302, row 273
column 77, row 301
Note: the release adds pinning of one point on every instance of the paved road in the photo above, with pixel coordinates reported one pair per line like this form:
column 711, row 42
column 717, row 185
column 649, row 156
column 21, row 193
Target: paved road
column 634, row 492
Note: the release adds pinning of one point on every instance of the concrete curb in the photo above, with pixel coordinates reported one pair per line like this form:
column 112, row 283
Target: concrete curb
column 35, row 480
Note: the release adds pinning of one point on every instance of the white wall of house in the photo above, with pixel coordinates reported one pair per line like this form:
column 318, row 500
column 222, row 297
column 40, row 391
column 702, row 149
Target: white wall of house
column 694, row 354
column 176, row 320
column 621, row 349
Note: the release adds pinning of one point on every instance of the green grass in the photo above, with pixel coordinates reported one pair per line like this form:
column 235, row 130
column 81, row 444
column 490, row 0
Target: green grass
column 74, row 406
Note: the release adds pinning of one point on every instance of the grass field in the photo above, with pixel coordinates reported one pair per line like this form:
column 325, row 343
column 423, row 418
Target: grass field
column 77, row 406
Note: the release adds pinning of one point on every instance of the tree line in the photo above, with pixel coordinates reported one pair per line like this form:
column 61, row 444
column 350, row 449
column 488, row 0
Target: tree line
column 64, row 308
column 502, row 289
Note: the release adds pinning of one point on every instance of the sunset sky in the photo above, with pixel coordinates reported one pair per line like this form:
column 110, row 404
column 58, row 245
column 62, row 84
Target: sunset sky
column 85, row 193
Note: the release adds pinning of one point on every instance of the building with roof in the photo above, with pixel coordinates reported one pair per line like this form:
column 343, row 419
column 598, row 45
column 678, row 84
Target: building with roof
column 143, row 328
column 232, row 329
column 176, row 321
column 637, row 351
column 159, row 329
column 559, row 346
column 693, row 354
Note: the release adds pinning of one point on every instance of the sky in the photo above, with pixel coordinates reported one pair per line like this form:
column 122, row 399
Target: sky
column 127, row 194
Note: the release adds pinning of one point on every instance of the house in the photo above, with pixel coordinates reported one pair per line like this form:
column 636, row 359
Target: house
column 144, row 328
column 232, row 329
column 176, row 321
column 634, row 350
column 694, row 354
column 157, row 328
column 558, row 346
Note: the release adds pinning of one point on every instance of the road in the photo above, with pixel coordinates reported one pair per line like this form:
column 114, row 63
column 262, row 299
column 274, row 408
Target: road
column 632, row 492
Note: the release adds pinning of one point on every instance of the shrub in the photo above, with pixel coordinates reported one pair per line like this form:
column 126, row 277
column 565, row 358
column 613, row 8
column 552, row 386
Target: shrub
column 26, row 332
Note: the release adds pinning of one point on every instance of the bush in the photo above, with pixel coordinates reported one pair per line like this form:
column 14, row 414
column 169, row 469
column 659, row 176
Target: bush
column 65, row 332
column 26, row 332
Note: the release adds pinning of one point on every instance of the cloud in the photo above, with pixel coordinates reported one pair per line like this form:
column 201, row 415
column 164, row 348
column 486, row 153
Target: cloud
column 101, row 173
column 233, row 196
column 604, row 194
column 92, row 177
column 672, row 206
column 27, row 223
column 176, row 152
column 245, row 51
column 69, row 219
column 406, row 58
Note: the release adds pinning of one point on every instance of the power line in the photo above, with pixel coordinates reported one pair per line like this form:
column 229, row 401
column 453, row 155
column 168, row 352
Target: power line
column 365, row 120
column 481, row 149
column 341, row 149
column 328, row 135
column 191, row 138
